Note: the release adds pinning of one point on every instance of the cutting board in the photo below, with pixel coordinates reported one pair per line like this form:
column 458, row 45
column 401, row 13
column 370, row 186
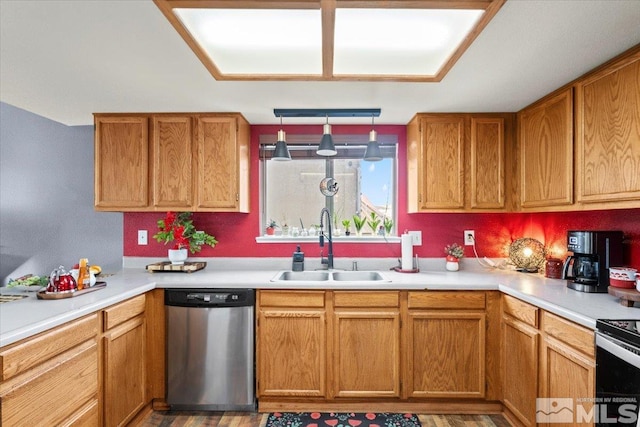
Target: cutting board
column 627, row 296
column 167, row 267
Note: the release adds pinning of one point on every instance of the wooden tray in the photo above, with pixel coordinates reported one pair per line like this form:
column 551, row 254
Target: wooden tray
column 627, row 296
column 63, row 295
column 167, row 267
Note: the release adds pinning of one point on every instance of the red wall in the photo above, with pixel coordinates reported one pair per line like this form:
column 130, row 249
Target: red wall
column 494, row 231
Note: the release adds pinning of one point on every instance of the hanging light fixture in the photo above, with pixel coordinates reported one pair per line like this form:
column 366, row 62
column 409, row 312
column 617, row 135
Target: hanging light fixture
column 373, row 153
column 281, row 152
column 327, row 148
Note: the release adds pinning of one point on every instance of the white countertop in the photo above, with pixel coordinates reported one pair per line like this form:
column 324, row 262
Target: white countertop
column 29, row 316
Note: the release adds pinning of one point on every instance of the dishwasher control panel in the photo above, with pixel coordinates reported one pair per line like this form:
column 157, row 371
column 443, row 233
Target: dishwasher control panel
column 210, row 297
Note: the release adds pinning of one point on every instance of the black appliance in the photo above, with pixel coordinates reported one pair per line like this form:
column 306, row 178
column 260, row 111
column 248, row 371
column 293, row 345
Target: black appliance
column 617, row 372
column 587, row 270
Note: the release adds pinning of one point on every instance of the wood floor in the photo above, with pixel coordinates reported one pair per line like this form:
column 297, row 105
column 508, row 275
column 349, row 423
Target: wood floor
column 243, row 419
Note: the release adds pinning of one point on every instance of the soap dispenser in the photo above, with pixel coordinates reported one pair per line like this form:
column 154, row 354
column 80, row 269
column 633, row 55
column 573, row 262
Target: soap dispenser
column 298, row 260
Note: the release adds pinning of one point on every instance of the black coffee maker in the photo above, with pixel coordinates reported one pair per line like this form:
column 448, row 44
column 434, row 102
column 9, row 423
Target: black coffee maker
column 587, row 270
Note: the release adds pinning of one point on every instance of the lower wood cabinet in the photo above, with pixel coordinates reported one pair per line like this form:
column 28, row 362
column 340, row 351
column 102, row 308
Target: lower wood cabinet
column 544, row 356
column 291, row 344
column 124, row 357
column 366, row 344
column 52, row 378
column 445, row 345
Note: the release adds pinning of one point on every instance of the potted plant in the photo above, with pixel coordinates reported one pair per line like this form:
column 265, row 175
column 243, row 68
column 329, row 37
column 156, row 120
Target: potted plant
column 346, row 223
column 179, row 227
column 454, row 252
column 358, row 223
column 387, row 223
column 373, row 222
column 271, row 227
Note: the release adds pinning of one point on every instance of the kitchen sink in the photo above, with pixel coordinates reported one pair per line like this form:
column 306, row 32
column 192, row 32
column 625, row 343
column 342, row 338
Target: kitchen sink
column 302, row 276
column 357, row 276
column 330, row 276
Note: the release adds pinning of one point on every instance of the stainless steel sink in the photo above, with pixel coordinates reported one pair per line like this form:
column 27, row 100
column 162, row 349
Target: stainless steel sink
column 330, row 276
column 357, row 276
column 302, row 276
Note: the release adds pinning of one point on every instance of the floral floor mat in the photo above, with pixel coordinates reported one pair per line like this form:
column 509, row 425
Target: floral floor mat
column 342, row 419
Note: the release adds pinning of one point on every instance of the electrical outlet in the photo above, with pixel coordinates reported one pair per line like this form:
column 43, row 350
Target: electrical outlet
column 142, row 237
column 416, row 238
column 469, row 237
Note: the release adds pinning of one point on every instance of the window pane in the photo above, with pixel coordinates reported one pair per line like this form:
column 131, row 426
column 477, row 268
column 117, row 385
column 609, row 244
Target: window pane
column 292, row 194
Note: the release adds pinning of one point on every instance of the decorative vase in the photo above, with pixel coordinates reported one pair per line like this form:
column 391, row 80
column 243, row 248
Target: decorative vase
column 452, row 263
column 178, row 256
column 270, row 231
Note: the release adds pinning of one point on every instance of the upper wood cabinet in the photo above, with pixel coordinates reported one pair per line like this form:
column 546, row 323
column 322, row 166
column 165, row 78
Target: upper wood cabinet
column 456, row 162
column 608, row 133
column 546, row 152
column 223, row 164
column 182, row 162
column 121, row 163
column 172, row 162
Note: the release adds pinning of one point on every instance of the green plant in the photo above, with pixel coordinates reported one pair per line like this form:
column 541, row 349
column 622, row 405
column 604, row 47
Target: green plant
column 179, row 227
column 373, row 222
column 346, row 223
column 358, row 223
column 272, row 224
column 387, row 223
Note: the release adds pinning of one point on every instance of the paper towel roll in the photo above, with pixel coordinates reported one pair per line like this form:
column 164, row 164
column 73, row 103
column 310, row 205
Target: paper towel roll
column 407, row 252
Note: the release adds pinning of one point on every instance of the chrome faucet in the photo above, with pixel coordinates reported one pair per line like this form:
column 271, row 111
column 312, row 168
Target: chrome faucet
column 329, row 260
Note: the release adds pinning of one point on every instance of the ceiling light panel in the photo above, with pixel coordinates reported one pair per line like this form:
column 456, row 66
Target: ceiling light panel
column 405, row 42
column 258, row 41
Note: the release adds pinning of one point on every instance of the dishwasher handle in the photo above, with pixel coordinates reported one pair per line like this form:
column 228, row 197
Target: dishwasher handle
column 207, row 297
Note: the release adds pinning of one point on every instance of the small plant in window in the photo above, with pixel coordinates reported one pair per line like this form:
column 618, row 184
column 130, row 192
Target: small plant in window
column 358, row 223
column 373, row 222
column 271, row 227
column 346, row 223
column 387, row 223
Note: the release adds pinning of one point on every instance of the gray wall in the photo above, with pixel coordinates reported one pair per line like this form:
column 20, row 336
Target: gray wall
column 46, row 198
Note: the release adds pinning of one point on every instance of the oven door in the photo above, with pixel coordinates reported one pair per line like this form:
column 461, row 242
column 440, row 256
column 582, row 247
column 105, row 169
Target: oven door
column 617, row 382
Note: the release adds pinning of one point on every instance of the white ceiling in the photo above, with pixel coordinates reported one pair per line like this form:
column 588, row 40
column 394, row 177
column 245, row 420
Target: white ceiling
column 67, row 59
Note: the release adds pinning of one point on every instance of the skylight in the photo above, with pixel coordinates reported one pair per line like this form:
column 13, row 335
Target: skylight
column 329, row 40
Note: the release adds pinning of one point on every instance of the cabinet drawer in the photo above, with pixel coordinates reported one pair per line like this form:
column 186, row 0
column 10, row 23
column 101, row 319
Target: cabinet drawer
column 455, row 299
column 578, row 337
column 56, row 393
column 88, row 416
column 33, row 351
column 520, row 310
column 124, row 311
column 291, row 298
column 366, row 299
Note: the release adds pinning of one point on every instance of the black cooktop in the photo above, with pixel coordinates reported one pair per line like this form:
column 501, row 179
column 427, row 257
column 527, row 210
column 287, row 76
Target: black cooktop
column 626, row 330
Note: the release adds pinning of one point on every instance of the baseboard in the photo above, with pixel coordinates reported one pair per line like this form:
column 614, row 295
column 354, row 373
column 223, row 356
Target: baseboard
column 440, row 407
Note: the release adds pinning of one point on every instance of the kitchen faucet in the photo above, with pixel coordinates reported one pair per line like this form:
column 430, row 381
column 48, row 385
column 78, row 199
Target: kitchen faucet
column 329, row 260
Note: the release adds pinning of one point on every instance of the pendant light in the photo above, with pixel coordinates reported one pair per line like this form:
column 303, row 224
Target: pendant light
column 281, row 152
column 372, row 153
column 327, row 148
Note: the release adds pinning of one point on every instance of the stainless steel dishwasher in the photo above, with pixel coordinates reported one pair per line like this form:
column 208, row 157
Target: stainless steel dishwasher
column 210, row 349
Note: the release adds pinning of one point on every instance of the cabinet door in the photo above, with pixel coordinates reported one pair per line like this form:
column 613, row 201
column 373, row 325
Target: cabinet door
column 442, row 161
column 291, row 349
column 454, row 342
column 218, row 161
column 567, row 373
column 546, row 152
column 366, row 357
column 520, row 369
column 121, row 163
column 487, row 163
column 172, row 157
column 124, row 371
column 608, row 127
